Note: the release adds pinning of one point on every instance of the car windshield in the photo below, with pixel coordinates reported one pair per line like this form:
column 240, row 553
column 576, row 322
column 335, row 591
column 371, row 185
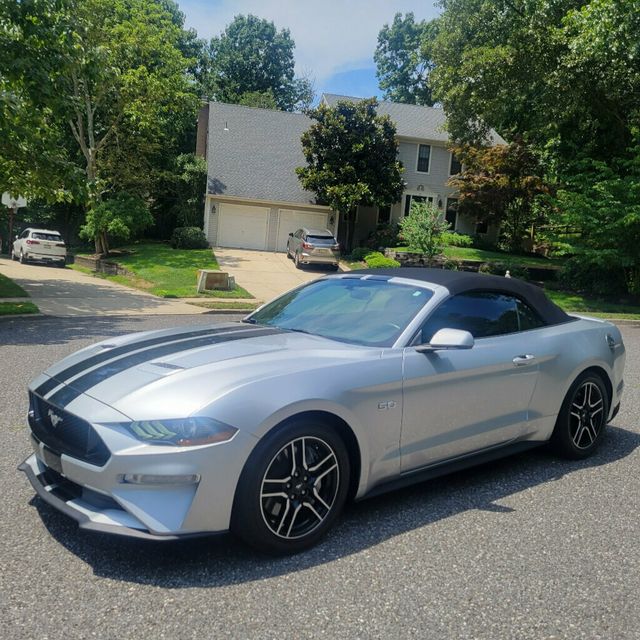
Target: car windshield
column 53, row 237
column 354, row 310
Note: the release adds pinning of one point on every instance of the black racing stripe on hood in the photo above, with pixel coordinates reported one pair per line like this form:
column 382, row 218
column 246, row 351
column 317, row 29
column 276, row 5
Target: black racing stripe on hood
column 109, row 354
column 64, row 396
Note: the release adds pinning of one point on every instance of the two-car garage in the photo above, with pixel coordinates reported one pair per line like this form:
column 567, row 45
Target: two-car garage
column 248, row 226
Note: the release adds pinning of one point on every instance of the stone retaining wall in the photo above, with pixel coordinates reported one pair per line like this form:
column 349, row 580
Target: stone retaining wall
column 100, row 265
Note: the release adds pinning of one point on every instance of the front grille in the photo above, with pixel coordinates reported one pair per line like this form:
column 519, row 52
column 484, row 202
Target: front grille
column 66, row 433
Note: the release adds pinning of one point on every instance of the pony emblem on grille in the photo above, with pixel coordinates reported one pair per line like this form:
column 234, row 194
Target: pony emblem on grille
column 55, row 418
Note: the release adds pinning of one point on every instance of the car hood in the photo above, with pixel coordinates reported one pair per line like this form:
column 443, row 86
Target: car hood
column 174, row 373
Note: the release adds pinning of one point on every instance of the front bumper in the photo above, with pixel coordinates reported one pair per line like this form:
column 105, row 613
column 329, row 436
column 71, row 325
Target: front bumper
column 98, row 499
column 85, row 506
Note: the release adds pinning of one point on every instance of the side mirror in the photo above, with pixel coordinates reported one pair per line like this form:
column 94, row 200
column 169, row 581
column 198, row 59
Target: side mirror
column 447, row 339
column 291, row 235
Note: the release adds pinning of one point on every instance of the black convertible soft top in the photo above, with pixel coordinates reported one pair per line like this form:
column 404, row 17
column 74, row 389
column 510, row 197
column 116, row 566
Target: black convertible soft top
column 461, row 281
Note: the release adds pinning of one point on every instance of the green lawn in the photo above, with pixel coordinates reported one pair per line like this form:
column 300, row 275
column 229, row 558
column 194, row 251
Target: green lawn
column 482, row 255
column 17, row 308
column 9, row 289
column 167, row 272
column 574, row 302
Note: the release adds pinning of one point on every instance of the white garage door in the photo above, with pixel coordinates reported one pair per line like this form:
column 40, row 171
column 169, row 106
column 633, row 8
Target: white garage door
column 242, row 226
column 291, row 221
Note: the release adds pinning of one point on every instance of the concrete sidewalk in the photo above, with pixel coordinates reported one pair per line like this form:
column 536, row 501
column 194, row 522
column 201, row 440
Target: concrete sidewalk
column 265, row 274
column 65, row 292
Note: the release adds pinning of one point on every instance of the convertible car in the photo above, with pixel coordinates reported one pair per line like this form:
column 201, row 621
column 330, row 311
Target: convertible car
column 345, row 387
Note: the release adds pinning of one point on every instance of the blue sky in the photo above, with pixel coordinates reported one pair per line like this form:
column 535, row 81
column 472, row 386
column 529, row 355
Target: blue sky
column 335, row 39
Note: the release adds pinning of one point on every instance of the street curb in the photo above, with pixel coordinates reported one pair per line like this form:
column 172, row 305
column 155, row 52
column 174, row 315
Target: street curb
column 9, row 316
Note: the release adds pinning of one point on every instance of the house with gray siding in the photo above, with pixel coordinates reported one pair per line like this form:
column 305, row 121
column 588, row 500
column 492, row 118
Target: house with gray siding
column 254, row 199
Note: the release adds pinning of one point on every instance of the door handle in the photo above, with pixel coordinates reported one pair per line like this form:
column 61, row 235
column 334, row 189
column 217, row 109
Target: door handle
column 524, row 359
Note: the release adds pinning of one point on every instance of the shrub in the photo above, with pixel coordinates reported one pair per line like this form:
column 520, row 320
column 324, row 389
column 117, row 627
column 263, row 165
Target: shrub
column 360, row 253
column 593, row 273
column 189, row 238
column 453, row 239
column 423, row 228
column 376, row 260
column 451, row 265
column 385, row 235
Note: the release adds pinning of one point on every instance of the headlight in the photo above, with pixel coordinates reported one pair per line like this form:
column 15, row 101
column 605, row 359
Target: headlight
column 184, row 432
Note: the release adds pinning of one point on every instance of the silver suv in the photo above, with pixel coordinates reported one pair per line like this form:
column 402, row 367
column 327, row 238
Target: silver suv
column 313, row 246
column 43, row 245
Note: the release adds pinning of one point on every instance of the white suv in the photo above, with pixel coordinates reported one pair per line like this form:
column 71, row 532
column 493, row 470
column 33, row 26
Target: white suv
column 39, row 244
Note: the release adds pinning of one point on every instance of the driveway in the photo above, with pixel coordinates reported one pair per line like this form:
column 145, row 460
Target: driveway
column 265, row 274
column 65, row 292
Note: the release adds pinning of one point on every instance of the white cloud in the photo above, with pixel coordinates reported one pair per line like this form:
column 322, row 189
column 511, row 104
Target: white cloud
column 330, row 35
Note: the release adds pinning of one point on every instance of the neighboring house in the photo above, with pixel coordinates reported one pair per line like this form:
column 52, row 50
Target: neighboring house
column 254, row 199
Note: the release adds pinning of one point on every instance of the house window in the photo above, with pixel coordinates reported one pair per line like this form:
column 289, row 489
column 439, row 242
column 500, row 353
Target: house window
column 409, row 199
column 455, row 167
column 451, row 214
column 384, row 215
column 424, row 153
column 482, row 227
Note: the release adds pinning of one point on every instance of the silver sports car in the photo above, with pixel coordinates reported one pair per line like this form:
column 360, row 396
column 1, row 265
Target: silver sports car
column 345, row 387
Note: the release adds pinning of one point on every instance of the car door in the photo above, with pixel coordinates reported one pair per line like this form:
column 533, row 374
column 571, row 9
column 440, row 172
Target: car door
column 461, row 401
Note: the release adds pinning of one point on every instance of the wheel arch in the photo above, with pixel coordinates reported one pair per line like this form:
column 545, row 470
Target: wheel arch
column 606, row 379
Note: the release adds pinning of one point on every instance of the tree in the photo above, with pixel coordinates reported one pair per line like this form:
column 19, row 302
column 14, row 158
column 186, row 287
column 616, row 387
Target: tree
column 250, row 59
column 600, row 203
column 404, row 60
column 561, row 75
column 120, row 217
column 111, row 84
column 351, row 155
column 422, row 229
column 191, row 186
column 500, row 184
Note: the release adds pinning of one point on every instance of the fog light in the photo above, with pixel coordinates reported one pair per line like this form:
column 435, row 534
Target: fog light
column 145, row 478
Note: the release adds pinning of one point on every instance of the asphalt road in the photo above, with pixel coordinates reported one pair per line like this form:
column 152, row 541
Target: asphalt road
column 529, row 547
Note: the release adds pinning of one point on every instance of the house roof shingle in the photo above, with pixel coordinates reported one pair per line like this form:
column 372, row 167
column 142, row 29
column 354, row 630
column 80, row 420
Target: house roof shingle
column 412, row 121
column 252, row 153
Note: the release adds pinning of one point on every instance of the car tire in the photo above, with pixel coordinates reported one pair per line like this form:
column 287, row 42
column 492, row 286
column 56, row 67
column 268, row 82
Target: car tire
column 289, row 252
column 279, row 512
column 23, row 260
column 62, row 264
column 296, row 261
column 582, row 419
column 12, row 255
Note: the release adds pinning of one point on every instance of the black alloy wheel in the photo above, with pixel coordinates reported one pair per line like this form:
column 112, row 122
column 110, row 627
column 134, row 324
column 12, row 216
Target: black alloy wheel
column 582, row 420
column 292, row 489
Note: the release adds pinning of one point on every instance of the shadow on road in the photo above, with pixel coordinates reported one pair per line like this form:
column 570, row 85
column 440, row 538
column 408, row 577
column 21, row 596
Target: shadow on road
column 221, row 561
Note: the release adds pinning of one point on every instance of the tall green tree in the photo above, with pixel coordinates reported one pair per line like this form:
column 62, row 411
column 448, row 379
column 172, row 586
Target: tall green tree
column 252, row 62
column 561, row 75
column 351, row 155
column 111, row 84
column 404, row 59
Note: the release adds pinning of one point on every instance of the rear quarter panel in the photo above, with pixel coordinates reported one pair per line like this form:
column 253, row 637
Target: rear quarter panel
column 564, row 352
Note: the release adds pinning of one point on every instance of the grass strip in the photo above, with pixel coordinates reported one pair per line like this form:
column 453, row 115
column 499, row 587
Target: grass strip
column 17, row 308
column 9, row 289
